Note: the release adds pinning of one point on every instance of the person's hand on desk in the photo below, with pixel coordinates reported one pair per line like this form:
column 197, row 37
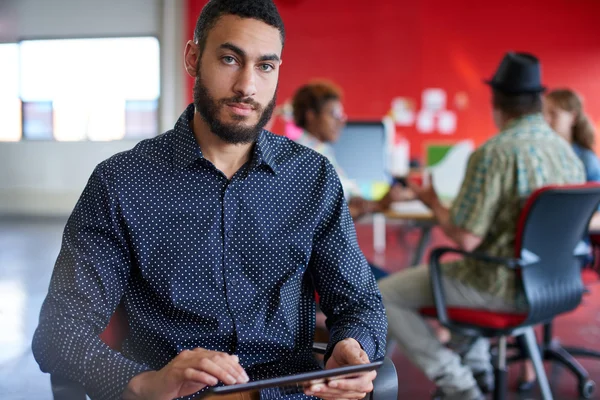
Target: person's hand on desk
column 397, row 193
column 426, row 194
column 189, row 372
column 346, row 352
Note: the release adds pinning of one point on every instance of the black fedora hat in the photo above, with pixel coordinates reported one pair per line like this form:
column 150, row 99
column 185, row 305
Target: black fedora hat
column 518, row 73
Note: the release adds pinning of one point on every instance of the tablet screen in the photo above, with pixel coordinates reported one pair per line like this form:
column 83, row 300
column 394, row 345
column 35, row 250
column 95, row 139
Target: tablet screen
column 319, row 376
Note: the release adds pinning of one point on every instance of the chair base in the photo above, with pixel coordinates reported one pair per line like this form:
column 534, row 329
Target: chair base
column 501, row 383
column 553, row 351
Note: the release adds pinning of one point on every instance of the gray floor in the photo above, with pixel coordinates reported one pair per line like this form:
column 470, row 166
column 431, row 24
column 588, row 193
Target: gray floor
column 28, row 249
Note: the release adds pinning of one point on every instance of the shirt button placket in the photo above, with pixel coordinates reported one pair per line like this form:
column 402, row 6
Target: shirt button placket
column 229, row 270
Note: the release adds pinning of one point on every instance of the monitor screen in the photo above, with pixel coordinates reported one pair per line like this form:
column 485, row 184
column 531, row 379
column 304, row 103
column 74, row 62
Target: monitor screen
column 361, row 152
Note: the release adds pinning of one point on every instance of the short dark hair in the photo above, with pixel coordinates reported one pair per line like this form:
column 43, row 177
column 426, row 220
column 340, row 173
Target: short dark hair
column 262, row 10
column 313, row 96
column 517, row 105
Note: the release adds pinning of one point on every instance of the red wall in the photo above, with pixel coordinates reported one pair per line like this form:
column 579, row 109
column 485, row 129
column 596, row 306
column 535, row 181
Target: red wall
column 380, row 49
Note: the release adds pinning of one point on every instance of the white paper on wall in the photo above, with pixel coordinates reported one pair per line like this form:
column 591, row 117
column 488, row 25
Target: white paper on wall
column 446, row 123
column 403, row 111
column 426, row 121
column 433, row 100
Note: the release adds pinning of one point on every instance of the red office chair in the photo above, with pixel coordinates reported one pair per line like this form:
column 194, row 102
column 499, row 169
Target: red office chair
column 548, row 248
column 385, row 386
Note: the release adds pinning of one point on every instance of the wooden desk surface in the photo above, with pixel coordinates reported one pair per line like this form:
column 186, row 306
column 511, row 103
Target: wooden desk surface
column 425, row 216
column 413, row 210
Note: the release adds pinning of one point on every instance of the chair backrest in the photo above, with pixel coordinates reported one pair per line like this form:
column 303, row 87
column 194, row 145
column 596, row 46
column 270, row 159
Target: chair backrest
column 550, row 242
column 117, row 329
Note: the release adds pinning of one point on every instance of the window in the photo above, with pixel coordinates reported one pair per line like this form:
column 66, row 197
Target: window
column 83, row 89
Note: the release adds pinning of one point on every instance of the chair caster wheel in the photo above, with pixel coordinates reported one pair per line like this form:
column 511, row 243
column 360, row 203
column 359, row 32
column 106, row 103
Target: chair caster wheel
column 587, row 388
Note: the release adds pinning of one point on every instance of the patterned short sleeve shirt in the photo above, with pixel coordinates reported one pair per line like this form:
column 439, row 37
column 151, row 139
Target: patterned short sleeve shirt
column 500, row 175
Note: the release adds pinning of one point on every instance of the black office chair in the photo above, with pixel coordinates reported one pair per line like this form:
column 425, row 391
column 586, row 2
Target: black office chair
column 550, row 346
column 548, row 248
column 385, row 386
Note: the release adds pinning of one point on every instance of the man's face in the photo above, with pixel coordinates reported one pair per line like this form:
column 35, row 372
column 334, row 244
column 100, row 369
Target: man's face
column 236, row 77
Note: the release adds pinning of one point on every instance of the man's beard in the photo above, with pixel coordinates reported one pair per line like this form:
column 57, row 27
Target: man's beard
column 234, row 133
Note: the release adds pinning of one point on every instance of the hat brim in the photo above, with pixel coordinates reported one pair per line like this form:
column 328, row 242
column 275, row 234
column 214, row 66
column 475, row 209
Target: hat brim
column 495, row 86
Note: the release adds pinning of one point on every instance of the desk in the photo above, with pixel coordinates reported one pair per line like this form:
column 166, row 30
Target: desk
column 417, row 214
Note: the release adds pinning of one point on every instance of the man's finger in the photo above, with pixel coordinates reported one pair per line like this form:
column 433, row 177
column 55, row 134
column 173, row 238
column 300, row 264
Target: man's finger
column 210, row 367
column 200, row 377
column 241, row 373
column 231, row 364
column 350, row 388
column 363, row 383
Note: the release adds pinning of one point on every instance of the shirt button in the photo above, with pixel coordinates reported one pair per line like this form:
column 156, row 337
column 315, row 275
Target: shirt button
column 230, row 234
column 233, row 282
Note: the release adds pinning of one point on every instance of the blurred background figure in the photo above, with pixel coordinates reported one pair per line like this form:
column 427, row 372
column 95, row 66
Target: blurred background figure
column 319, row 112
column 563, row 110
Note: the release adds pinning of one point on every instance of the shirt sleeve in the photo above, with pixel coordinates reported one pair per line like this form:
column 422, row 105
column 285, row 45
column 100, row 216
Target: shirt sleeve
column 591, row 164
column 349, row 296
column 475, row 207
column 86, row 286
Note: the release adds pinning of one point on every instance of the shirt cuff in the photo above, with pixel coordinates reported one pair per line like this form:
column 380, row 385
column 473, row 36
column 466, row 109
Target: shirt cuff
column 363, row 336
column 108, row 378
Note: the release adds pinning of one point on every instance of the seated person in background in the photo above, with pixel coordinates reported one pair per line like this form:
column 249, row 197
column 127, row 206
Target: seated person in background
column 318, row 110
column 563, row 110
column 214, row 236
column 524, row 156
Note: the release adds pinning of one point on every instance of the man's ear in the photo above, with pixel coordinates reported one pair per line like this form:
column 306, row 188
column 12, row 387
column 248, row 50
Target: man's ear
column 191, row 57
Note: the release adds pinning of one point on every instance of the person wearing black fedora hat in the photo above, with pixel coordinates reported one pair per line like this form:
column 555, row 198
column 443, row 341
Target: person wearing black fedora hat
column 518, row 73
column 526, row 154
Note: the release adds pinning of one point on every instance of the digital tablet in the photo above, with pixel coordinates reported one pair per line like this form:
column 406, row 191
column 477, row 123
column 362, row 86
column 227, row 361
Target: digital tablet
column 319, row 376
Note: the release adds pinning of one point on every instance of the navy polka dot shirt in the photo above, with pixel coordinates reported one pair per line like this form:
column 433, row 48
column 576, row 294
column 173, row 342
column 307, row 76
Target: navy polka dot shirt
column 198, row 260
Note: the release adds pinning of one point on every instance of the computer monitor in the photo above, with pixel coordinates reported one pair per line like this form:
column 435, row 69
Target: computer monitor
column 361, row 151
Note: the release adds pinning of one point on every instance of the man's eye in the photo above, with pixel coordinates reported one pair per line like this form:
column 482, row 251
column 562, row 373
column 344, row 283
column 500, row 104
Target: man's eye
column 229, row 60
column 266, row 67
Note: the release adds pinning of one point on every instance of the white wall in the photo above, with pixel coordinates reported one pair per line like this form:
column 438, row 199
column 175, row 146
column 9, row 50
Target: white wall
column 35, row 19
column 46, row 178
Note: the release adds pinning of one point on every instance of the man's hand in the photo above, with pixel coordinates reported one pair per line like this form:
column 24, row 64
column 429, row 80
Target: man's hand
column 426, row 194
column 189, row 372
column 346, row 352
column 395, row 194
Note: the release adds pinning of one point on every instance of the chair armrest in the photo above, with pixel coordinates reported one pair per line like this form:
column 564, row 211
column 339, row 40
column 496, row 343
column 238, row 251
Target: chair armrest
column 385, row 385
column 319, row 348
column 435, row 269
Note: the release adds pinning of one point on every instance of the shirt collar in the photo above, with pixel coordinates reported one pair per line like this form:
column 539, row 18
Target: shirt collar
column 186, row 150
column 526, row 119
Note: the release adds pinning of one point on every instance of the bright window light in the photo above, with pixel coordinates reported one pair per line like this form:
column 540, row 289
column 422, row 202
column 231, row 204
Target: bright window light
column 90, row 84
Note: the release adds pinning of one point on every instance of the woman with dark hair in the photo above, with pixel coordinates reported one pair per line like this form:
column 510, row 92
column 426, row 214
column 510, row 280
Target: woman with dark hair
column 563, row 110
column 319, row 112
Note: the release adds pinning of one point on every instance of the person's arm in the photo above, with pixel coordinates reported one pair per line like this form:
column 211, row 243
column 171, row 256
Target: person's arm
column 464, row 239
column 86, row 286
column 349, row 295
column 474, row 209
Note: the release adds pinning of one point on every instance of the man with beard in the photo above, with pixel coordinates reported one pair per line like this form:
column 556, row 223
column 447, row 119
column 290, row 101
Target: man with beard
column 214, row 237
